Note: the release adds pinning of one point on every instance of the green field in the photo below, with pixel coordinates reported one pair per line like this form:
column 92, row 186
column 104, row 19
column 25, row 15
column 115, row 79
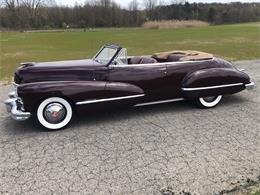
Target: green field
column 234, row 42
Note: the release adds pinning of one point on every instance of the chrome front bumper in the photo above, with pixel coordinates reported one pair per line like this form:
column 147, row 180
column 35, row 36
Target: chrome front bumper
column 250, row 86
column 14, row 105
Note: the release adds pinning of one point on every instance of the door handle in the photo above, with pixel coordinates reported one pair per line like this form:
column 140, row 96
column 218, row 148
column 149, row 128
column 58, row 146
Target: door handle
column 164, row 70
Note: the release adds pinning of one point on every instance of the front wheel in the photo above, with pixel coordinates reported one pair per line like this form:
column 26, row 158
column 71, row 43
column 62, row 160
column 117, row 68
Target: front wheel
column 209, row 102
column 54, row 113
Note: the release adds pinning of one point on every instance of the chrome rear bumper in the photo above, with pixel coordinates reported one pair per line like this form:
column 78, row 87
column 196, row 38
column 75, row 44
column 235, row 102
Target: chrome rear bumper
column 250, row 86
column 14, row 105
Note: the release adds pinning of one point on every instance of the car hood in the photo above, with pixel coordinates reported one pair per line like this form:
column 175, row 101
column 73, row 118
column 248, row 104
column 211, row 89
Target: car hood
column 56, row 71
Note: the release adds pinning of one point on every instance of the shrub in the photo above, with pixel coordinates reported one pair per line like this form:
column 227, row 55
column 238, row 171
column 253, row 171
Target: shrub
column 168, row 24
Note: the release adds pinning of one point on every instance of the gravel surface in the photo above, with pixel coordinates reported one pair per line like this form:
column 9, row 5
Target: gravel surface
column 157, row 149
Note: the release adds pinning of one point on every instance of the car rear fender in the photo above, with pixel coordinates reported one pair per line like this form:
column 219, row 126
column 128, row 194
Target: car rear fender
column 214, row 81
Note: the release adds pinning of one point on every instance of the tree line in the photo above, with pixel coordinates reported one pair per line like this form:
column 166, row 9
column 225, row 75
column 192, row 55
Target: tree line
column 46, row 14
column 215, row 13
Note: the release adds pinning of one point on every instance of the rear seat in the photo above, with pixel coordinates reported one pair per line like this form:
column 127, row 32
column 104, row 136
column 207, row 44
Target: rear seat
column 142, row 60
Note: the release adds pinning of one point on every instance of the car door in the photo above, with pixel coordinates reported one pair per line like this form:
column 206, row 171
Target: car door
column 150, row 78
column 176, row 72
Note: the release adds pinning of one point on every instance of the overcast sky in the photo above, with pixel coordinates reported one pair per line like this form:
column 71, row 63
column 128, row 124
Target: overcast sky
column 124, row 3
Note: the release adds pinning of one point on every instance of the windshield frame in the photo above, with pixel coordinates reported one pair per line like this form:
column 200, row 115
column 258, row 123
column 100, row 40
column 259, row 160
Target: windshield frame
column 117, row 48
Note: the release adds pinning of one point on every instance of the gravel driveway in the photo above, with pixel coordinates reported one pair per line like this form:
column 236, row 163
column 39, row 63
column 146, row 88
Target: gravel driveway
column 144, row 150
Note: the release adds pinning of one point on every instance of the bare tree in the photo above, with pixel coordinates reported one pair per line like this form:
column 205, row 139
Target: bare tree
column 178, row 2
column 150, row 6
column 34, row 5
column 2, row 3
column 10, row 4
column 13, row 11
column 134, row 12
column 105, row 3
column 133, row 5
column 91, row 3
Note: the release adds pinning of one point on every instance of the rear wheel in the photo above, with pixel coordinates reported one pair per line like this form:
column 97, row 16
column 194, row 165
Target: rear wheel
column 54, row 113
column 209, row 102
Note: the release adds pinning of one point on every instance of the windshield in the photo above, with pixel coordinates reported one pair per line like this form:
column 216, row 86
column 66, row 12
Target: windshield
column 121, row 58
column 106, row 55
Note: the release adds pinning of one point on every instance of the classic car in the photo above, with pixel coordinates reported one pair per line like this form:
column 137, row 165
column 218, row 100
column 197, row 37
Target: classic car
column 53, row 92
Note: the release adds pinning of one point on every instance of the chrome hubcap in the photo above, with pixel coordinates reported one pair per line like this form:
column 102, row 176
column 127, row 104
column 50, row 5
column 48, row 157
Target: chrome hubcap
column 54, row 113
column 210, row 99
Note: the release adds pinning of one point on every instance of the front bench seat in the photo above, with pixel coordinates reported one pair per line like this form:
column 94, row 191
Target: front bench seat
column 142, row 60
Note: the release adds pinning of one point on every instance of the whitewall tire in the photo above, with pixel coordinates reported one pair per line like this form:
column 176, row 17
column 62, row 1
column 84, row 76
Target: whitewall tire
column 54, row 113
column 209, row 102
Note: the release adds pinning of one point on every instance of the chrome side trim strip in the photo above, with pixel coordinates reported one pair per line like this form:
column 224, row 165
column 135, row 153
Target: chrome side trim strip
column 159, row 102
column 15, row 84
column 109, row 99
column 212, row 87
column 250, row 86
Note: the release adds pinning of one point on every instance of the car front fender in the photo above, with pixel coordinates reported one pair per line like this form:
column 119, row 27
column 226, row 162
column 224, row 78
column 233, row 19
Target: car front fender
column 74, row 91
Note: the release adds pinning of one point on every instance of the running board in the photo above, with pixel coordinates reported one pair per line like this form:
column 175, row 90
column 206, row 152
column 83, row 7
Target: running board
column 159, row 102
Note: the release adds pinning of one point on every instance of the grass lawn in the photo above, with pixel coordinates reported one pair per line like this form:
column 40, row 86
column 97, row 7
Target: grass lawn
column 234, row 42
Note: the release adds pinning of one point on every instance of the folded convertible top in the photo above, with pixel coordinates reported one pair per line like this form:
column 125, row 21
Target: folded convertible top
column 183, row 55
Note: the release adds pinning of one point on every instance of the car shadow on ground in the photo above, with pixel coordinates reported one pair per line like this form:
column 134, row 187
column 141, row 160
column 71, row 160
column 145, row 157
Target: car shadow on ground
column 135, row 113
column 106, row 116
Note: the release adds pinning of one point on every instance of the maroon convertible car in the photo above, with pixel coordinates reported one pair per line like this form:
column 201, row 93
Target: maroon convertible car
column 53, row 92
